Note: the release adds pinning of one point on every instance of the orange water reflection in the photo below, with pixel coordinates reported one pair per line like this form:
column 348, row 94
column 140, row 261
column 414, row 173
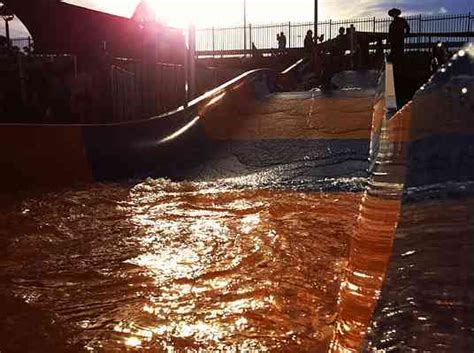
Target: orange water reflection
column 170, row 266
column 252, row 270
column 371, row 242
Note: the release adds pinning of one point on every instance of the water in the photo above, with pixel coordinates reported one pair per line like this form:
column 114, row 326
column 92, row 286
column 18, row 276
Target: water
column 426, row 302
column 252, row 262
column 371, row 241
column 162, row 266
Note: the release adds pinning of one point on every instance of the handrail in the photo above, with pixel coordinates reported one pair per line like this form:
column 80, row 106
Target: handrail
column 195, row 103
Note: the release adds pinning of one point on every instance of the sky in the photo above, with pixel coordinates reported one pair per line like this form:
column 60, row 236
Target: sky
column 220, row 13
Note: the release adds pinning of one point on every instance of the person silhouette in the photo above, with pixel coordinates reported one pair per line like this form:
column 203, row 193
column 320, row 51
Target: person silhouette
column 309, row 43
column 340, row 43
column 399, row 28
column 283, row 40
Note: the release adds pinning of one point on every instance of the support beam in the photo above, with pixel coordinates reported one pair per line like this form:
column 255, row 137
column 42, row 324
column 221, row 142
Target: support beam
column 316, row 16
column 7, row 32
column 245, row 25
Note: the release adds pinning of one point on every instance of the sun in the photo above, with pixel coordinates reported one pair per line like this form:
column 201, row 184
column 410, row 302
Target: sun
column 182, row 13
column 175, row 13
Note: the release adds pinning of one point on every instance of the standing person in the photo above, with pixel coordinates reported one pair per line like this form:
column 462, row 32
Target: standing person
column 309, row 44
column 399, row 28
column 340, row 43
column 283, row 40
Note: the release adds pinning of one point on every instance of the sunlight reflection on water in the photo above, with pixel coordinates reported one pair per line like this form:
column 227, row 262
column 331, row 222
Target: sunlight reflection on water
column 167, row 266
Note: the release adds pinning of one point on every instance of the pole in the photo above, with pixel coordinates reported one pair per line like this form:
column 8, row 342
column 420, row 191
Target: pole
column 186, row 71
column 315, row 18
column 289, row 35
column 245, row 27
column 7, row 32
column 192, row 61
column 213, row 42
column 250, row 35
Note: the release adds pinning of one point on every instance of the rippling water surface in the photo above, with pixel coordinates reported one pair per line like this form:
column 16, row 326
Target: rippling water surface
column 164, row 266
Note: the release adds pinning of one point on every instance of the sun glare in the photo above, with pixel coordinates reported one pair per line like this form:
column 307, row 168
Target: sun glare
column 182, row 13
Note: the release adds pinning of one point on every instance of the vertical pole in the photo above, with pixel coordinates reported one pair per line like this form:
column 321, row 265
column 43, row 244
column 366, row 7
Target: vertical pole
column 7, row 33
column 245, row 27
column 213, row 42
column 289, row 35
column 468, row 25
column 192, row 61
column 316, row 18
column 250, row 35
column 420, row 19
column 330, row 29
column 186, row 72
column 375, row 25
column 352, row 44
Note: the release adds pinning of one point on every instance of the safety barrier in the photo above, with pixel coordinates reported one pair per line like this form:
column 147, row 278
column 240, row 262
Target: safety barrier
column 410, row 267
column 426, row 301
column 424, row 27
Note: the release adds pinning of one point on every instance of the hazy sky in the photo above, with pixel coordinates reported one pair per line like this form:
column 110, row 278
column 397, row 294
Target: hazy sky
column 230, row 12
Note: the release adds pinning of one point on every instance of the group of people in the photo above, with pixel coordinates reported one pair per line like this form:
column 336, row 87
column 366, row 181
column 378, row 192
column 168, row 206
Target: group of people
column 281, row 39
column 398, row 30
column 329, row 57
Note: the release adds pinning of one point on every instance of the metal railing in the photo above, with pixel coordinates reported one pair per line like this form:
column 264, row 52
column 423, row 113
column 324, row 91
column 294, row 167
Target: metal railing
column 139, row 92
column 63, row 89
column 24, row 44
column 264, row 36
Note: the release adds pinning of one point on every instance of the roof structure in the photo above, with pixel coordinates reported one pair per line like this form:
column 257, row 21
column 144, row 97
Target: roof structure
column 58, row 27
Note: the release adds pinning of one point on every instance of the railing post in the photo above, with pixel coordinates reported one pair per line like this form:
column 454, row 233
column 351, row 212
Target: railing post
column 250, row 35
column 245, row 26
column 192, row 62
column 420, row 20
column 289, row 35
column 375, row 25
column 213, row 42
column 330, row 29
column 7, row 33
column 469, row 23
column 186, row 73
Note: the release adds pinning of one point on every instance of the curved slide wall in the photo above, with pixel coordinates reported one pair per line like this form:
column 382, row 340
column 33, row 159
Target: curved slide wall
column 426, row 303
column 243, row 127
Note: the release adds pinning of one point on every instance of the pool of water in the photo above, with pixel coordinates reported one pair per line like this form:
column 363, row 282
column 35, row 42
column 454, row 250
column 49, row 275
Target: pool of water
column 163, row 266
column 248, row 257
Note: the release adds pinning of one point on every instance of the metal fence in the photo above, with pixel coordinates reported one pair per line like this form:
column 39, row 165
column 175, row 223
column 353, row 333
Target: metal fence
column 264, row 36
column 24, row 44
column 140, row 93
column 65, row 89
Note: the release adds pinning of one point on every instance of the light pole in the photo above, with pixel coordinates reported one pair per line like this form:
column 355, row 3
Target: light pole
column 245, row 27
column 316, row 19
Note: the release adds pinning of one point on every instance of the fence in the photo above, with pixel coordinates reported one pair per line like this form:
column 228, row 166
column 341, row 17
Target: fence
column 24, row 44
column 264, row 36
column 140, row 93
column 63, row 89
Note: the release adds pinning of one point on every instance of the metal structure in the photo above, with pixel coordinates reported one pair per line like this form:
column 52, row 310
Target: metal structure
column 245, row 26
column 316, row 18
column 7, row 17
column 425, row 29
